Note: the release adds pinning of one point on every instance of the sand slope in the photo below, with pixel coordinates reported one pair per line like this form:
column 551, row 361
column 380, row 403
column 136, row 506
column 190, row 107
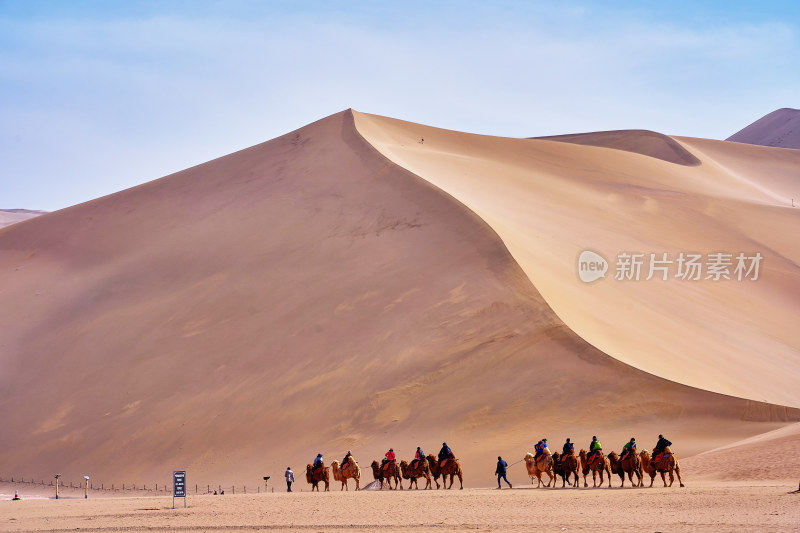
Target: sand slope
column 780, row 129
column 304, row 295
column 12, row 216
column 549, row 201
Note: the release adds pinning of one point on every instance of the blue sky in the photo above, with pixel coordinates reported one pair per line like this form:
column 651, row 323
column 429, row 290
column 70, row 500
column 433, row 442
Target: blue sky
column 99, row 96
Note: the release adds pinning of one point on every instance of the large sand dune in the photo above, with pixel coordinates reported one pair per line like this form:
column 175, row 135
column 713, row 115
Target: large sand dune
column 549, row 201
column 309, row 294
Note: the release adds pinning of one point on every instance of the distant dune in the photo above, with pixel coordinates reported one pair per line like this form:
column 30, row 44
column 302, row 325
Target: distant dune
column 347, row 286
column 12, row 216
column 780, row 129
column 643, row 142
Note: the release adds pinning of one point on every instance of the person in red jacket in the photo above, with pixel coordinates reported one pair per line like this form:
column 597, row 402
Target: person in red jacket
column 389, row 457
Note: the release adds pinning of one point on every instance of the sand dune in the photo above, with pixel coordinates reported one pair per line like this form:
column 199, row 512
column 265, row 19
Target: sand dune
column 12, row 216
column 309, row 295
column 549, row 201
column 759, row 458
column 643, row 142
column 780, row 129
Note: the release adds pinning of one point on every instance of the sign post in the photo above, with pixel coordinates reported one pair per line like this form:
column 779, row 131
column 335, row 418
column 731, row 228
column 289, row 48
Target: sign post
column 178, row 486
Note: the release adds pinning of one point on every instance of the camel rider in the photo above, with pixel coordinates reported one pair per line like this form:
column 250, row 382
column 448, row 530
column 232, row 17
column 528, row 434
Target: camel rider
column 389, row 457
column 346, row 457
column 628, row 448
column 568, row 449
column 418, row 456
column 540, row 447
column 594, row 447
column 444, row 453
column 318, row 461
column 660, row 446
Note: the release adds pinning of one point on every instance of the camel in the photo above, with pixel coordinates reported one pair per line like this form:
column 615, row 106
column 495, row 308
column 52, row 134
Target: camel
column 668, row 463
column 388, row 471
column 314, row 477
column 349, row 470
column 630, row 465
column 568, row 466
column 452, row 468
column 433, row 466
column 421, row 470
column 600, row 464
column 544, row 465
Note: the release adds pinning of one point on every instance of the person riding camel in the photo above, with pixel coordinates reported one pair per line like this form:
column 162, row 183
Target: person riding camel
column 540, row 447
column 444, row 454
column 388, row 457
column 346, row 458
column 628, row 448
column 568, row 449
column 594, row 447
column 660, row 447
column 418, row 456
column 318, row 461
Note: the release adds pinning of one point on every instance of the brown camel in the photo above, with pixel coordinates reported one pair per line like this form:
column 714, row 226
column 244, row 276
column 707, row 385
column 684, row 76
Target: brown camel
column 569, row 467
column 315, row 476
column 420, row 470
column 436, row 471
column 452, row 468
column 599, row 463
column 630, row 465
column 668, row 463
column 544, row 465
column 388, row 471
column 348, row 471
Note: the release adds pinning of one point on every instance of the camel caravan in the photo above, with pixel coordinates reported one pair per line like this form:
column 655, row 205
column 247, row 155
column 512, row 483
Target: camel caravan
column 567, row 465
column 389, row 472
column 629, row 463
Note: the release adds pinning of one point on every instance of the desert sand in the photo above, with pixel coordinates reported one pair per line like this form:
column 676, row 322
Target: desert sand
column 346, row 286
column 731, row 507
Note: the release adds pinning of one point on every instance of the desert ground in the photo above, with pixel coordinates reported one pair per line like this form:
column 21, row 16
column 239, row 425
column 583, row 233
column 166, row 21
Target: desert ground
column 701, row 506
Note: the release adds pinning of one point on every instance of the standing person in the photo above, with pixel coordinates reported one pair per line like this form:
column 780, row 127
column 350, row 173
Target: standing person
column 289, row 479
column 501, row 472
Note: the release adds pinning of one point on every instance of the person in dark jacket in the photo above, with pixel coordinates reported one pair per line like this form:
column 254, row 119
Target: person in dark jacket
column 501, row 472
column 318, row 461
column 660, row 446
column 444, row 453
column 568, row 449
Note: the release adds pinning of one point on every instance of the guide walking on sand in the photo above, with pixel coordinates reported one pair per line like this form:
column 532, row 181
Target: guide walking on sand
column 289, row 479
column 501, row 472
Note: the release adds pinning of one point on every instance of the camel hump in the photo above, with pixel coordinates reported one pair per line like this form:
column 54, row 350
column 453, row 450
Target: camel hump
column 667, row 450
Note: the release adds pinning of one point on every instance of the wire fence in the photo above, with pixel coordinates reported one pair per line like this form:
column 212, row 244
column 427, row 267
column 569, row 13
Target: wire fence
column 133, row 488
